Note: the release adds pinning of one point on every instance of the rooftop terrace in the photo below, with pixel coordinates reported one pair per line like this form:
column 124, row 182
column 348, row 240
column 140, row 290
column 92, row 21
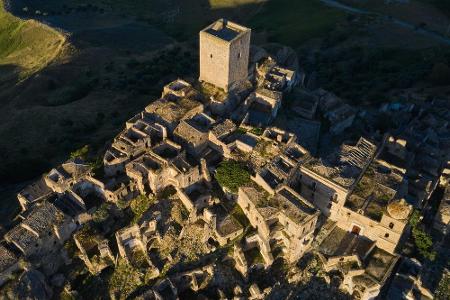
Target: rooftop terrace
column 292, row 205
column 225, row 30
column 342, row 243
column 344, row 166
column 375, row 190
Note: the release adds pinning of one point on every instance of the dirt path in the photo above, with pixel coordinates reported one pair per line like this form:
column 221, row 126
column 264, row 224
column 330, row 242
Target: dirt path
column 407, row 25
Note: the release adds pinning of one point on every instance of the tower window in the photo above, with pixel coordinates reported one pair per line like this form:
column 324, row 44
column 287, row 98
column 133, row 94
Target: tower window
column 210, row 55
column 386, row 235
column 239, row 55
column 391, row 225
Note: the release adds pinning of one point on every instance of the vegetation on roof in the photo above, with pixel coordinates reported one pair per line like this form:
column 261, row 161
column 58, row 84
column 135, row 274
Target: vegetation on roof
column 124, row 280
column 254, row 256
column 257, row 131
column 422, row 240
column 139, row 206
column 102, row 213
column 240, row 216
column 377, row 206
column 232, row 174
column 87, row 237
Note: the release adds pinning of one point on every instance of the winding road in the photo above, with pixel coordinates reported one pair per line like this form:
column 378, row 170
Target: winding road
column 431, row 34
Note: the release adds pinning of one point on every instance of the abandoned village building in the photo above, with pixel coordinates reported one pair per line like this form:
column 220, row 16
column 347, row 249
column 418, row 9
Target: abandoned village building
column 351, row 206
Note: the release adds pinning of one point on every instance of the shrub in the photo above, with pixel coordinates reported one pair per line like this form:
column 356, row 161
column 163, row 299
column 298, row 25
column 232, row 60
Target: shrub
column 257, row 131
column 139, row 206
column 422, row 240
column 231, row 175
column 124, row 280
column 80, row 153
column 443, row 290
column 102, row 213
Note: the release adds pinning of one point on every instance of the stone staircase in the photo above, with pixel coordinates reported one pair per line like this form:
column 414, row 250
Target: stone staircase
column 361, row 153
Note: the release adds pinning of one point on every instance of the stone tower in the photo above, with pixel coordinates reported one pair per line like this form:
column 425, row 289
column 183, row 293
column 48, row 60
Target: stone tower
column 224, row 54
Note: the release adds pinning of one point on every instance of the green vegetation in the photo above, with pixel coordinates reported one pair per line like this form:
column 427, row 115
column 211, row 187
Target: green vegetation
column 292, row 22
column 254, row 257
column 66, row 296
column 71, row 93
column 240, row 216
column 87, row 237
column 102, row 213
column 124, row 280
column 241, row 130
column 359, row 73
column 80, row 153
column 29, row 45
column 167, row 193
column 93, row 287
column 217, row 4
column 97, row 166
column 232, row 174
column 422, row 240
column 179, row 213
column 257, row 131
column 139, row 206
column 443, row 290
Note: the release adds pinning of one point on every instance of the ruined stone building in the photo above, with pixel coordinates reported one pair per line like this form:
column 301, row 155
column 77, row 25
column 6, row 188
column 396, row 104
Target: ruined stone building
column 284, row 221
column 364, row 190
column 43, row 230
column 132, row 245
column 9, row 263
column 224, row 54
column 442, row 219
column 363, row 266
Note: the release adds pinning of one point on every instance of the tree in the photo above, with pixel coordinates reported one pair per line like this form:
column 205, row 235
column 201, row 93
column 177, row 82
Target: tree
column 231, row 175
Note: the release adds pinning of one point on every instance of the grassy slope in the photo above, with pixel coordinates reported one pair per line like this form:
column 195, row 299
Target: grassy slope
column 292, row 22
column 27, row 45
column 288, row 21
column 434, row 13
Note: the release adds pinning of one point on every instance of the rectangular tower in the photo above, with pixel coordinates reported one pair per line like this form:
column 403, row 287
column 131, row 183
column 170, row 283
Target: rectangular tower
column 224, row 54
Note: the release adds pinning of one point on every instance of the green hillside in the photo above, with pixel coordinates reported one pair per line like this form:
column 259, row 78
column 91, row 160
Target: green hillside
column 26, row 45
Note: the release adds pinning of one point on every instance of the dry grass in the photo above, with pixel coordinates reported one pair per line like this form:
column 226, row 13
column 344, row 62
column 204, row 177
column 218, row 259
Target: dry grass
column 217, row 4
column 27, row 45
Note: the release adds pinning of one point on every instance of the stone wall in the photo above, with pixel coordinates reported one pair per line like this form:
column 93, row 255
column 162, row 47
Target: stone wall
column 224, row 63
column 320, row 191
column 385, row 233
